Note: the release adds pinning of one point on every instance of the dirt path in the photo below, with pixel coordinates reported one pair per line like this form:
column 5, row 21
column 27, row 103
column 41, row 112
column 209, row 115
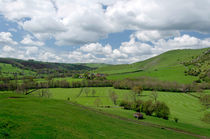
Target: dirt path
column 140, row 122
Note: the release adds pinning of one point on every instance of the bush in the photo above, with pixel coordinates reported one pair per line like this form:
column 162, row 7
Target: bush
column 162, row 110
column 148, row 107
column 176, row 120
column 139, row 106
column 126, row 104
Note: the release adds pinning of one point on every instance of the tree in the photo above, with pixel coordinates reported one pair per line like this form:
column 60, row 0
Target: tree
column 113, row 96
column 86, row 90
column 154, row 95
column 162, row 110
column 137, row 89
column 148, row 107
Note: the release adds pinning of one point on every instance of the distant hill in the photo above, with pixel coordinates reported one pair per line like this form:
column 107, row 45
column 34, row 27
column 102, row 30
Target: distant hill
column 10, row 66
column 167, row 59
column 168, row 66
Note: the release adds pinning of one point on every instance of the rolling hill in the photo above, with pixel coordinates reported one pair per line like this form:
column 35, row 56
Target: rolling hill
column 168, row 66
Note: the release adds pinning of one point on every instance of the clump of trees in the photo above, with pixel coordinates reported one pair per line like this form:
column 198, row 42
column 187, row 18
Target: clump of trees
column 158, row 109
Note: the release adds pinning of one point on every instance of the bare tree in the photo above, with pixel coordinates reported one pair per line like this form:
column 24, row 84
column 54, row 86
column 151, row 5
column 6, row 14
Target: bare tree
column 113, row 96
column 87, row 91
column 137, row 89
column 154, row 95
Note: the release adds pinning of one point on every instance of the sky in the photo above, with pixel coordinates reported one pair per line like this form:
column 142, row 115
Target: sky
column 101, row 31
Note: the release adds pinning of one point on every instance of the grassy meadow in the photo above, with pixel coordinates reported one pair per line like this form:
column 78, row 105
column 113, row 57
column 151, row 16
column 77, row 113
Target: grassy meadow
column 182, row 106
column 33, row 117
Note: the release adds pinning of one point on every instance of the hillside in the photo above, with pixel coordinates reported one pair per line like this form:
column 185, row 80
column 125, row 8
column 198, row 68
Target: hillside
column 13, row 67
column 168, row 66
column 33, row 117
column 167, row 59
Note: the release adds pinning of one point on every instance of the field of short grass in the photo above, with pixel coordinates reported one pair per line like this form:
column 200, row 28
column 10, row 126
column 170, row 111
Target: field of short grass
column 34, row 117
column 174, row 74
column 182, row 106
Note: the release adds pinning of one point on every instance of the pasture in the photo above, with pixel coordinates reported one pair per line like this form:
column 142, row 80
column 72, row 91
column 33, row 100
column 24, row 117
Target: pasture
column 182, row 106
column 33, row 117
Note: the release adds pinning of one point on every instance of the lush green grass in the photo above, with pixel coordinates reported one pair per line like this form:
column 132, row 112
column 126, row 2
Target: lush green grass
column 183, row 106
column 8, row 69
column 167, row 66
column 31, row 117
column 168, row 59
column 167, row 74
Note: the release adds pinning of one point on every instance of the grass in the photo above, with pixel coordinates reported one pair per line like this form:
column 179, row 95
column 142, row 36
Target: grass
column 183, row 106
column 167, row 59
column 167, row 66
column 33, row 117
column 8, row 70
column 175, row 74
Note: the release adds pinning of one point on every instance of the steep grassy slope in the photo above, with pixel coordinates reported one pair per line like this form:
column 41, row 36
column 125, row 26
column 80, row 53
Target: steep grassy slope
column 31, row 117
column 169, row 59
column 167, row 66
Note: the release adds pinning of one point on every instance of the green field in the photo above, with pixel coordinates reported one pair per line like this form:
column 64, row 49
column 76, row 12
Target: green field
column 183, row 106
column 32, row 117
column 8, row 70
column 173, row 74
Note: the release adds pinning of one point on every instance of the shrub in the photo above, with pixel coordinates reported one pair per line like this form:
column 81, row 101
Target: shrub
column 162, row 110
column 139, row 106
column 176, row 120
column 148, row 107
column 126, row 104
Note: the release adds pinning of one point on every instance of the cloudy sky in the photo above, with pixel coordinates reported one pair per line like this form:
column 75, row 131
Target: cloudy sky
column 101, row 31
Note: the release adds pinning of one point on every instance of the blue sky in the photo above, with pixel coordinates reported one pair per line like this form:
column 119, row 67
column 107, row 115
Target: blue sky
column 101, row 31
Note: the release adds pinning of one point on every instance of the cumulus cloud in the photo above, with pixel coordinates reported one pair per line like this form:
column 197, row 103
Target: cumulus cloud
column 134, row 50
column 79, row 22
column 156, row 25
column 6, row 39
column 153, row 35
column 28, row 40
column 8, row 49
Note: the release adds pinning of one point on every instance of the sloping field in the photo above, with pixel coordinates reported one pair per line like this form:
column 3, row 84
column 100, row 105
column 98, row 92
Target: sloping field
column 31, row 117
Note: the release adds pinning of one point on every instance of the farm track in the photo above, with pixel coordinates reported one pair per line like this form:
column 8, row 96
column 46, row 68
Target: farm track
column 140, row 122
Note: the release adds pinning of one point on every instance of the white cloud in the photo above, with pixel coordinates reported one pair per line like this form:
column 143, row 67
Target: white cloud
column 28, row 40
column 8, row 49
column 6, row 39
column 79, row 22
column 153, row 35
